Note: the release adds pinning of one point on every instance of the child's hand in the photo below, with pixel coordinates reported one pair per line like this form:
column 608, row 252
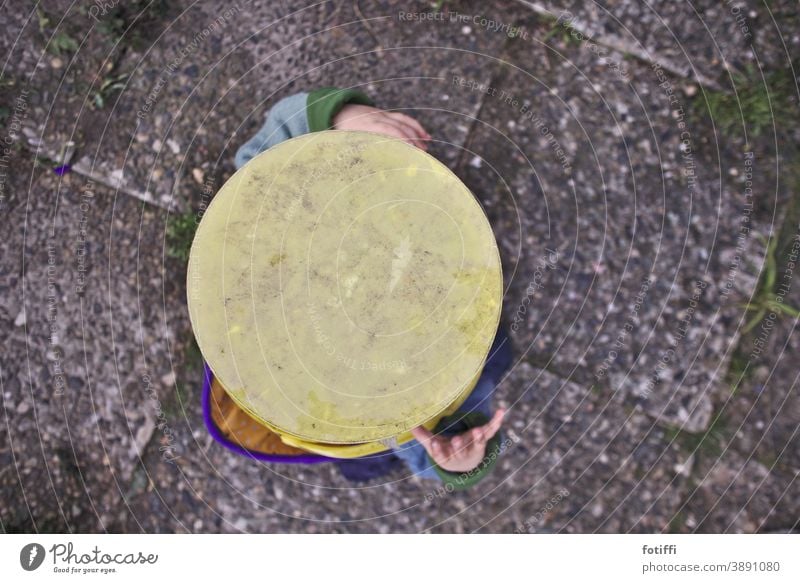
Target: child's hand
column 462, row 452
column 371, row 119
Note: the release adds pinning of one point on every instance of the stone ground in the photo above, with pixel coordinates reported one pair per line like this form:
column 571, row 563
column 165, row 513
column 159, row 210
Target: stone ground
column 631, row 161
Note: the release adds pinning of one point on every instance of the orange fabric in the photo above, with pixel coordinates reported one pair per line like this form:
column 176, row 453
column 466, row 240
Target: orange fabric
column 240, row 428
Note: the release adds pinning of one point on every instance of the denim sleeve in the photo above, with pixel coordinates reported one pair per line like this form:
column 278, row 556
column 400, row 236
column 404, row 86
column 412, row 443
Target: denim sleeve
column 415, row 456
column 287, row 119
column 417, row 460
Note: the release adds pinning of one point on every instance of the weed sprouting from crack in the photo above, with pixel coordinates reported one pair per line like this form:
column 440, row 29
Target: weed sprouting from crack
column 765, row 299
column 756, row 104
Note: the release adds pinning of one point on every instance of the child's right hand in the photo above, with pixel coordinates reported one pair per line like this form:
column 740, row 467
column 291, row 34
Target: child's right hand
column 462, row 452
column 389, row 123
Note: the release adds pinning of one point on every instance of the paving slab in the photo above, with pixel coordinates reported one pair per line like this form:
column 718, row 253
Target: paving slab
column 625, row 254
column 83, row 341
column 575, row 462
column 198, row 85
column 629, row 246
column 706, row 41
column 99, row 351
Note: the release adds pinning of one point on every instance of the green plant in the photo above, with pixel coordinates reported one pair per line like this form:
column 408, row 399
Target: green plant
column 132, row 22
column 711, row 442
column 192, row 357
column 569, row 36
column 176, row 402
column 765, row 299
column 60, row 42
column 113, row 25
column 44, row 162
column 107, row 87
column 42, row 19
column 757, row 104
column 180, row 234
column 738, row 370
column 677, row 523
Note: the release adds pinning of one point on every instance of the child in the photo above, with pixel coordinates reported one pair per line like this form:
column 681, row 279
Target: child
column 465, row 445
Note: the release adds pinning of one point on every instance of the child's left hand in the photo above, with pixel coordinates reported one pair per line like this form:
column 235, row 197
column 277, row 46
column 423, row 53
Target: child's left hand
column 462, row 452
column 389, row 123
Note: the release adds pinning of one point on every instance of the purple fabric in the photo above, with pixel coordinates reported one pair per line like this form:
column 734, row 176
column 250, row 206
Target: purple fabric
column 363, row 469
column 310, row 458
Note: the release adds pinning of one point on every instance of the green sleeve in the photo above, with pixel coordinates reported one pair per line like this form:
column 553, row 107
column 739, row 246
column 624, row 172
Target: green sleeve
column 461, row 481
column 324, row 103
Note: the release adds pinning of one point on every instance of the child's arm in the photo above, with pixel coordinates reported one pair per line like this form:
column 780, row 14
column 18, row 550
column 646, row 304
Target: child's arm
column 324, row 109
column 465, row 446
column 297, row 115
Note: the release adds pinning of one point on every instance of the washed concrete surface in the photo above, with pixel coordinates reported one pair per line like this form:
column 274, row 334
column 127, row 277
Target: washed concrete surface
column 636, row 402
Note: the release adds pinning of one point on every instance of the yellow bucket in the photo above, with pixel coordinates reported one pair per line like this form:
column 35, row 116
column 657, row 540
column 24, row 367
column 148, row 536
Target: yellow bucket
column 344, row 288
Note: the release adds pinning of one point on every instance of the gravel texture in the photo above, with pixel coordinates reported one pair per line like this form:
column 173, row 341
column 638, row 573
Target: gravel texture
column 630, row 239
